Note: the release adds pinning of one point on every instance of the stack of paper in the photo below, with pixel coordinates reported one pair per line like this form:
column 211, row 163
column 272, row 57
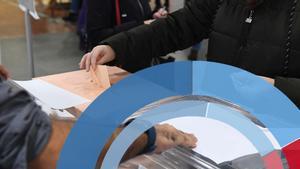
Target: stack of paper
column 52, row 99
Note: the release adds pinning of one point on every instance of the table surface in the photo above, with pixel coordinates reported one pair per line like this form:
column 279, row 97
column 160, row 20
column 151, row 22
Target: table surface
column 80, row 83
column 83, row 84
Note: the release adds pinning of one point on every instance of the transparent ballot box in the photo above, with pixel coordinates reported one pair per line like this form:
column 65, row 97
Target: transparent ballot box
column 229, row 137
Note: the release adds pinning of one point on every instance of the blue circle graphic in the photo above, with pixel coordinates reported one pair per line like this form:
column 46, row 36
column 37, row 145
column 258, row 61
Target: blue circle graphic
column 180, row 109
column 237, row 86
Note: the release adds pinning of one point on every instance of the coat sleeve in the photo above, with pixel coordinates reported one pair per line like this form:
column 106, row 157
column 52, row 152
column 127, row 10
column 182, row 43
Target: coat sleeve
column 290, row 87
column 181, row 29
column 97, row 34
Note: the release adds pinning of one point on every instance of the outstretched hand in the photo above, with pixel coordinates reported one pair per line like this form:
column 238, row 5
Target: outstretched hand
column 168, row 137
column 161, row 13
column 99, row 55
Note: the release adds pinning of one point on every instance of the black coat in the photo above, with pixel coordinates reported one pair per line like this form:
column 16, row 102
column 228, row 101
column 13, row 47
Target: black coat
column 268, row 46
column 101, row 18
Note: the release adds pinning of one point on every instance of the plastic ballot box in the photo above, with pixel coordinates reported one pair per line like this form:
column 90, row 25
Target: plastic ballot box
column 229, row 137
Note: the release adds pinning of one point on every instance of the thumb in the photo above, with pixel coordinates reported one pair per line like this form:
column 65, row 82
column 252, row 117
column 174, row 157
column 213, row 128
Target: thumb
column 104, row 59
column 190, row 140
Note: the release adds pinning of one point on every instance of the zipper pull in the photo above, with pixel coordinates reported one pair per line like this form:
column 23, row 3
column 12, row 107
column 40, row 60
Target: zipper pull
column 250, row 17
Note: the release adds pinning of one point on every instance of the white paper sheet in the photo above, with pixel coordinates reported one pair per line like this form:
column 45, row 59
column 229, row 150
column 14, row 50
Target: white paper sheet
column 60, row 114
column 216, row 140
column 53, row 96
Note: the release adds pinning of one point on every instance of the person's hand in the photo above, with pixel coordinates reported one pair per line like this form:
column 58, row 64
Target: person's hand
column 3, row 72
column 269, row 80
column 168, row 137
column 148, row 22
column 160, row 13
column 99, row 55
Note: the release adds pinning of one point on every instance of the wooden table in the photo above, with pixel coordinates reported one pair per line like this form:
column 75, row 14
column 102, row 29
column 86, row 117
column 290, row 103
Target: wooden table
column 61, row 128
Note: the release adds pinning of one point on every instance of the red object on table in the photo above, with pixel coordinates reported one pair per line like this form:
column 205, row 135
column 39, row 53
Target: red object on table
column 292, row 154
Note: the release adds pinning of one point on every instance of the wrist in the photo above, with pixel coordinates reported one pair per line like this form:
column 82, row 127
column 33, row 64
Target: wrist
column 151, row 138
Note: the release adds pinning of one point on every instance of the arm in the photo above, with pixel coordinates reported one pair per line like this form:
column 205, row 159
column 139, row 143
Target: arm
column 24, row 130
column 166, row 137
column 178, row 31
column 137, row 147
column 290, row 87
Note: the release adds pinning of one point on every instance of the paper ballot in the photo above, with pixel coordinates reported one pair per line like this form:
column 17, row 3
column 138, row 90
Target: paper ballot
column 52, row 96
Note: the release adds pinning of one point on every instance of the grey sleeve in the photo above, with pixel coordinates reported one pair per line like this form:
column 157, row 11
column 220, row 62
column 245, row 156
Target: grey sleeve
column 24, row 128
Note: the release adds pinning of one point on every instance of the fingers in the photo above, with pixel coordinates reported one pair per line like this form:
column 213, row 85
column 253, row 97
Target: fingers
column 99, row 55
column 83, row 60
column 104, row 60
column 160, row 13
column 88, row 62
column 107, row 55
column 93, row 59
column 156, row 15
column 163, row 12
column 173, row 137
column 4, row 72
column 90, row 59
column 190, row 141
column 185, row 139
column 148, row 22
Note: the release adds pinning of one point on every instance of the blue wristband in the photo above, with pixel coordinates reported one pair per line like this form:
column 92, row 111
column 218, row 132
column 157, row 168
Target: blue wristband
column 150, row 147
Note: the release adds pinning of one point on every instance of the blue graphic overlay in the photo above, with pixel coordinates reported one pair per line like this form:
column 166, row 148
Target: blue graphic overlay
column 103, row 116
column 185, row 108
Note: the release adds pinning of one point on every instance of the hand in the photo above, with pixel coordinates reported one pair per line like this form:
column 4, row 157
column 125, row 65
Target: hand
column 99, row 55
column 168, row 137
column 269, row 80
column 3, row 72
column 160, row 13
column 148, row 22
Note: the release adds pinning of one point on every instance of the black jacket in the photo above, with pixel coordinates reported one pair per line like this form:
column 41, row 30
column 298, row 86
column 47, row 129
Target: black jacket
column 268, row 46
column 101, row 18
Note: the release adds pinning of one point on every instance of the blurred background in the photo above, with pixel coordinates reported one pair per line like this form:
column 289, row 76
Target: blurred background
column 56, row 37
column 55, row 44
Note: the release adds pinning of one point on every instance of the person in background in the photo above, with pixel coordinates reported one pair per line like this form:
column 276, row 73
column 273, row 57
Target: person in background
column 74, row 11
column 159, row 5
column 109, row 17
column 260, row 36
